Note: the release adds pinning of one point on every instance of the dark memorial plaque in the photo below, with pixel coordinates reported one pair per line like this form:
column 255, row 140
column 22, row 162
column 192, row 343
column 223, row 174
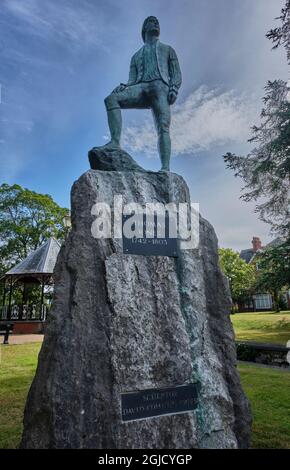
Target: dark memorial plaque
column 150, row 246
column 157, row 402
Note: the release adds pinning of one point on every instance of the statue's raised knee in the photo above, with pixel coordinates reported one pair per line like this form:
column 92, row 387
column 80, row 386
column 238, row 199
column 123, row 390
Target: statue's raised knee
column 108, row 101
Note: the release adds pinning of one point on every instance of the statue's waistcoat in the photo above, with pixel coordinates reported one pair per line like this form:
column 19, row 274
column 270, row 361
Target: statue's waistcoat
column 162, row 56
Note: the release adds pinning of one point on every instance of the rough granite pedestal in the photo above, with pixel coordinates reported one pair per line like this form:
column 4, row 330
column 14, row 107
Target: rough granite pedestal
column 123, row 323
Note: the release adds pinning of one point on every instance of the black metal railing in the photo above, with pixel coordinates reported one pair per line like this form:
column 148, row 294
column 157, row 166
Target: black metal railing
column 27, row 312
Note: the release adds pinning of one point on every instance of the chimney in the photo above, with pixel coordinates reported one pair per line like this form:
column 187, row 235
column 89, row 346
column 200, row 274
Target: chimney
column 257, row 244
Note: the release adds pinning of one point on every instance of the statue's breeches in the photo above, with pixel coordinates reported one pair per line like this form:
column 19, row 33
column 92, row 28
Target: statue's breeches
column 144, row 95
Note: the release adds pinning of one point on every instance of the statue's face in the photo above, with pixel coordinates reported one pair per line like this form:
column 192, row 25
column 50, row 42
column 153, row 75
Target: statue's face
column 152, row 25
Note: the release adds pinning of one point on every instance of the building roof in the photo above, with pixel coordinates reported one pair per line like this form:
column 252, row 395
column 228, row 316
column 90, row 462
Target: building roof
column 40, row 261
column 249, row 254
column 276, row 242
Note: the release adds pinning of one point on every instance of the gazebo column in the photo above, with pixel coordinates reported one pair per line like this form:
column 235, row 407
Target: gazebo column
column 4, row 292
column 10, row 299
column 4, row 298
column 42, row 297
column 24, row 298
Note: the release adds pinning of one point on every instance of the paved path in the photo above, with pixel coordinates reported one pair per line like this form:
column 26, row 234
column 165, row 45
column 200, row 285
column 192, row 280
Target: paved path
column 23, row 339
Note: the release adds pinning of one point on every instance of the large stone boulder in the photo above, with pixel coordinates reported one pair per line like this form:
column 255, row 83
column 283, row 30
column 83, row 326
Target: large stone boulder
column 123, row 323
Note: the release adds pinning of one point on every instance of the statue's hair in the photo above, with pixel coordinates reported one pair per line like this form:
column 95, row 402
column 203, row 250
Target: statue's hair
column 144, row 26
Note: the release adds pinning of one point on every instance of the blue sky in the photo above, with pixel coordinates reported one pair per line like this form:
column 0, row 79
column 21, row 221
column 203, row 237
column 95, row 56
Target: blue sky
column 60, row 58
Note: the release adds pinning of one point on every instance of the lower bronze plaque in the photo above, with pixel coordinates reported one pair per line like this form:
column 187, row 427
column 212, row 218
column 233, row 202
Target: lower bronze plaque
column 157, row 402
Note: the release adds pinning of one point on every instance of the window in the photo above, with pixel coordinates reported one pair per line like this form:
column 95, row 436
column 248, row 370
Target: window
column 263, row 301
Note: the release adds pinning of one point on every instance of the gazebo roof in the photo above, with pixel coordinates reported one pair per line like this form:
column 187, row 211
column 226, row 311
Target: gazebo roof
column 40, row 261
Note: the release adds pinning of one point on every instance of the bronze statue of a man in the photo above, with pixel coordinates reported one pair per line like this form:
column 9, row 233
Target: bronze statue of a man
column 154, row 81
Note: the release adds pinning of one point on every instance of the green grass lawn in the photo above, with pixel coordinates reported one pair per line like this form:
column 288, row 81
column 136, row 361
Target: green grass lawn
column 262, row 327
column 267, row 389
column 269, row 393
column 17, row 368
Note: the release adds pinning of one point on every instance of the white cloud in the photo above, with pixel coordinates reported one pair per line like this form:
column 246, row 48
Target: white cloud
column 206, row 120
column 78, row 23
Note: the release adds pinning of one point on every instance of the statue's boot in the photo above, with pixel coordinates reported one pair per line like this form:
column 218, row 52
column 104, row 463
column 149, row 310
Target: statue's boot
column 112, row 145
column 165, row 169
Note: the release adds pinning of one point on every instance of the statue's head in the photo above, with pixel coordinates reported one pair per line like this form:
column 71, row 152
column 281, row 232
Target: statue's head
column 150, row 24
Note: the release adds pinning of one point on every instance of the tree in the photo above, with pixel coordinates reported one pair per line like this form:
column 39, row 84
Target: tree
column 266, row 169
column 280, row 36
column 27, row 220
column 273, row 270
column 241, row 275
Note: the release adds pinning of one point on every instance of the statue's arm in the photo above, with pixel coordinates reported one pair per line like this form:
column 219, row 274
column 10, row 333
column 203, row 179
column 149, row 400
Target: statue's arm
column 132, row 77
column 133, row 72
column 174, row 72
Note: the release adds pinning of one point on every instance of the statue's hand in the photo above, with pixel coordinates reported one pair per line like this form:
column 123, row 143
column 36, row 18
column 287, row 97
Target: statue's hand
column 172, row 95
column 119, row 88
